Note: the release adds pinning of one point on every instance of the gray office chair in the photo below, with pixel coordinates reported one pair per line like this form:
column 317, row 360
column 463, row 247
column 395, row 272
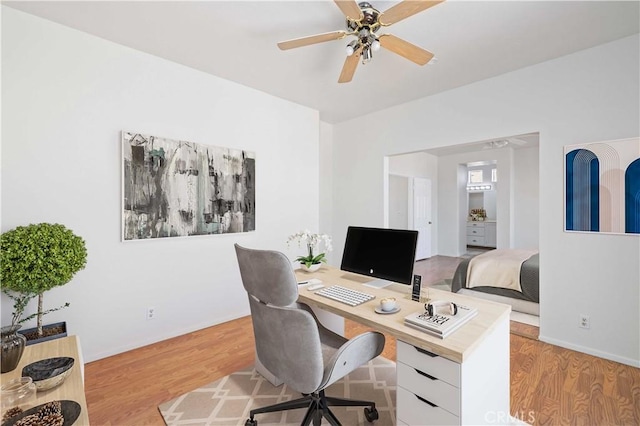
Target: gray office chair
column 293, row 345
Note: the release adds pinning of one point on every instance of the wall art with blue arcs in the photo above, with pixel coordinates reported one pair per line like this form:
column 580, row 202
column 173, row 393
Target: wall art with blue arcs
column 602, row 187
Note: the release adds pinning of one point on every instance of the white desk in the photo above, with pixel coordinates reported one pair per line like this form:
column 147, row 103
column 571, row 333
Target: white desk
column 463, row 379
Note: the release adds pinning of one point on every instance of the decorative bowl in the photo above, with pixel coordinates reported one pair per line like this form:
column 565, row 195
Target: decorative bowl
column 68, row 410
column 48, row 373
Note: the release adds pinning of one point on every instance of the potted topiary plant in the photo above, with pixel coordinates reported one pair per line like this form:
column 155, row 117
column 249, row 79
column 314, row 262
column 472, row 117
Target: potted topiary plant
column 37, row 258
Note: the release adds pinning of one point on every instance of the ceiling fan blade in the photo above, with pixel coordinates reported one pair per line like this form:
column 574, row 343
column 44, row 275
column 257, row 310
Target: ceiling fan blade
column 404, row 9
column 405, row 49
column 349, row 67
column 350, row 9
column 306, row 41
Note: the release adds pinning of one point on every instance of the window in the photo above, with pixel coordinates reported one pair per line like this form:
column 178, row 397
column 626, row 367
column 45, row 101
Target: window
column 475, row 176
column 494, row 175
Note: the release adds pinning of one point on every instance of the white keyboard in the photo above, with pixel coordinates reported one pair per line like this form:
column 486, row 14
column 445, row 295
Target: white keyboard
column 345, row 295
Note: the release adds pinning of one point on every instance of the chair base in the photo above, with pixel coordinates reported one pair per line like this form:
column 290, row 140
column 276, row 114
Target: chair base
column 317, row 405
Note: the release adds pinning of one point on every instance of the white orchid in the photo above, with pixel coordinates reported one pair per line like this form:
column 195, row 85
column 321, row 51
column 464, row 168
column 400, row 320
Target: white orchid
column 312, row 241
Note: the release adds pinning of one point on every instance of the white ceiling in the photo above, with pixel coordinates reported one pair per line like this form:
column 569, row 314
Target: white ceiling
column 236, row 40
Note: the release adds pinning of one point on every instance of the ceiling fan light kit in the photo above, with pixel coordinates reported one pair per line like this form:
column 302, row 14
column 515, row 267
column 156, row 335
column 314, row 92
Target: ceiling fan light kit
column 363, row 21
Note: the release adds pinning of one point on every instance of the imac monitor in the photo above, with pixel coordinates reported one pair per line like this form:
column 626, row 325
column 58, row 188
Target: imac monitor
column 387, row 254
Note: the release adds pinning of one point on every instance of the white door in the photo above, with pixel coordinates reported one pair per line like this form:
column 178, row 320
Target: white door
column 420, row 220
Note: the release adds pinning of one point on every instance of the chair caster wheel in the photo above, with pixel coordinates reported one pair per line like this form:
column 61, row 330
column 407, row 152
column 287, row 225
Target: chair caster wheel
column 371, row 414
column 251, row 422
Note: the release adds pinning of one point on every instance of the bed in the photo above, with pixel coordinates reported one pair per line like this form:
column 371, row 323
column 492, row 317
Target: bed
column 526, row 300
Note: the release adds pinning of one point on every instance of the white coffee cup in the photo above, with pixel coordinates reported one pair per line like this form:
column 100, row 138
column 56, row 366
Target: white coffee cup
column 388, row 304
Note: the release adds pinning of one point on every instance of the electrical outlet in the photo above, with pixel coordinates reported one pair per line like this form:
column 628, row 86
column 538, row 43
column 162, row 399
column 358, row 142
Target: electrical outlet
column 584, row 321
column 151, row 313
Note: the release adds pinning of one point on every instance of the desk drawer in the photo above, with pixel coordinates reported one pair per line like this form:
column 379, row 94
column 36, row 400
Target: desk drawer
column 475, row 241
column 433, row 390
column 415, row 412
column 475, row 224
column 432, row 364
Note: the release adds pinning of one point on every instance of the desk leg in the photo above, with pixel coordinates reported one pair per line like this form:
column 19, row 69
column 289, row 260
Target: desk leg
column 330, row 320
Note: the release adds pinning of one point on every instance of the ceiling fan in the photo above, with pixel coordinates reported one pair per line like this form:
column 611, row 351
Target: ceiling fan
column 363, row 21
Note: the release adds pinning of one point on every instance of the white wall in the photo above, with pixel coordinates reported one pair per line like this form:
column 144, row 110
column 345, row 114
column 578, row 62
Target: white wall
column 326, row 177
column 416, row 164
column 589, row 96
column 526, row 195
column 66, row 97
column 398, row 202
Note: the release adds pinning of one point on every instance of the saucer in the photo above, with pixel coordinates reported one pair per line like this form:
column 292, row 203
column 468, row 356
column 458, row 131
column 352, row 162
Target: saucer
column 380, row 311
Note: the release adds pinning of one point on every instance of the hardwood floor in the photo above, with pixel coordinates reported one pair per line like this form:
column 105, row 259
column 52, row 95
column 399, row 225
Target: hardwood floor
column 126, row 389
column 552, row 386
column 549, row 385
column 436, row 268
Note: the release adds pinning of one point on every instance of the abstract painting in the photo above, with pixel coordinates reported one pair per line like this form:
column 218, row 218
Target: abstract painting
column 602, row 187
column 175, row 188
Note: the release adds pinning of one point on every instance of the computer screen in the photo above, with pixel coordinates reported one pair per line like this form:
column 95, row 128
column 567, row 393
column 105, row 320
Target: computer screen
column 388, row 254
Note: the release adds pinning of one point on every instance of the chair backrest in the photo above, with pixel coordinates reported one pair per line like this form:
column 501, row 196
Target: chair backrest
column 287, row 337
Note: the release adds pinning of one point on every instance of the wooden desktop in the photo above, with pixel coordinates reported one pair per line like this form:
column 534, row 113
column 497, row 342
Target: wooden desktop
column 73, row 386
column 462, row 379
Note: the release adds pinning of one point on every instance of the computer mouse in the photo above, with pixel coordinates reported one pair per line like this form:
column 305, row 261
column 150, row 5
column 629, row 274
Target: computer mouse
column 315, row 287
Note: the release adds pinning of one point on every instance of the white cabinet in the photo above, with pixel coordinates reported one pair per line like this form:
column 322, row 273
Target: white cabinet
column 433, row 390
column 428, row 387
column 481, row 234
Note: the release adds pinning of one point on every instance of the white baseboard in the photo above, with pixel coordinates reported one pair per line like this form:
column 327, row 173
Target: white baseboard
column 590, row 351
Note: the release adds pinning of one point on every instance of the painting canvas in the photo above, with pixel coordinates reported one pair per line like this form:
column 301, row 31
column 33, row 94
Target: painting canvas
column 175, row 188
column 602, row 187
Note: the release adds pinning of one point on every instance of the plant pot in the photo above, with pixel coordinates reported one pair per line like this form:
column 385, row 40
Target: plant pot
column 311, row 268
column 12, row 347
column 50, row 332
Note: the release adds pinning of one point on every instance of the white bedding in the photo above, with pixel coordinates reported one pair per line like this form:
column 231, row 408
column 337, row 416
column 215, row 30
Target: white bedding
column 498, row 268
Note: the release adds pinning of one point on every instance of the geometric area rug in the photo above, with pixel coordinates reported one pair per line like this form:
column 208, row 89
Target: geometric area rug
column 228, row 400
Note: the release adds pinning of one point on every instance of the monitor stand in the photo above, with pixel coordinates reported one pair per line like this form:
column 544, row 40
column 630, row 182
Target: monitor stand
column 379, row 283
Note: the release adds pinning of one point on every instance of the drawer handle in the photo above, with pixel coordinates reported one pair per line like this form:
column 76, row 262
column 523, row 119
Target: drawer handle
column 426, row 352
column 426, row 402
column 474, row 231
column 425, row 374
